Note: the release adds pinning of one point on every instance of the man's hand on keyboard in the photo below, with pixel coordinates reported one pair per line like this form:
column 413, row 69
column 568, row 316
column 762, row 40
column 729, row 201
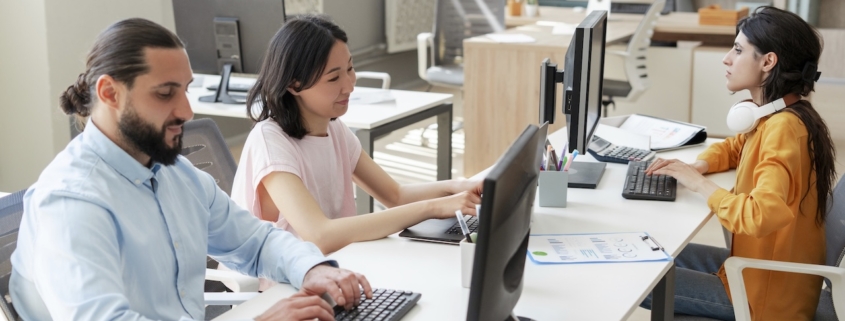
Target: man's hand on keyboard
column 342, row 285
column 686, row 174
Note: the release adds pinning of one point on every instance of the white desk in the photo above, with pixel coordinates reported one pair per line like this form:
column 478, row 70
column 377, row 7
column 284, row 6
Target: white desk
column 372, row 121
column 3, row 194
column 550, row 292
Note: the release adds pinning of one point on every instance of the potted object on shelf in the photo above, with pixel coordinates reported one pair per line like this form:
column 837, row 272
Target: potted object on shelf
column 531, row 8
column 515, row 8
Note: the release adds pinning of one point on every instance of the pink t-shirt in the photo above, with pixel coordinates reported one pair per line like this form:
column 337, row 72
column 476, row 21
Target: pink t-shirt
column 324, row 164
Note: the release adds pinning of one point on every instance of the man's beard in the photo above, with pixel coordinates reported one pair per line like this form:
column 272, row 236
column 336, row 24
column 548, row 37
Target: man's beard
column 144, row 137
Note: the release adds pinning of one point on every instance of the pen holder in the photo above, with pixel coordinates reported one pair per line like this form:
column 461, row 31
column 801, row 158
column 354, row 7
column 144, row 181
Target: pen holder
column 553, row 188
column 467, row 258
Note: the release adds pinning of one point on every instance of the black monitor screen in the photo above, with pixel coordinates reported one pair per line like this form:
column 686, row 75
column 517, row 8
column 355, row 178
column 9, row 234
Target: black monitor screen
column 207, row 42
column 583, row 76
column 505, row 218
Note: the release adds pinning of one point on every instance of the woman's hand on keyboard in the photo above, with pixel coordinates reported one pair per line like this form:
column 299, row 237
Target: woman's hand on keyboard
column 688, row 175
column 465, row 202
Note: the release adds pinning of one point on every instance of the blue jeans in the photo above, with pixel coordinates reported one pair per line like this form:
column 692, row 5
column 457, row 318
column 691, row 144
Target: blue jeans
column 698, row 291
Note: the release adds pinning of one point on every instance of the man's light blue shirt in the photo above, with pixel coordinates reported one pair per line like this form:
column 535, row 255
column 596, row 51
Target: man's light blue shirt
column 106, row 238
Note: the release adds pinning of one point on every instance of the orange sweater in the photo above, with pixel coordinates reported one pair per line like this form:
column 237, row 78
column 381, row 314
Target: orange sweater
column 772, row 214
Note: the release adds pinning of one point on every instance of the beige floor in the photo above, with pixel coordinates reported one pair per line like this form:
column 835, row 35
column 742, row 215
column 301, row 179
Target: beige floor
column 408, row 159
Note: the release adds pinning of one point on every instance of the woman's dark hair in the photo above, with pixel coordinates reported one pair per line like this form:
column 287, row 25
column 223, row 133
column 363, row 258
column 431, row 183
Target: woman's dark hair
column 798, row 47
column 297, row 53
column 119, row 53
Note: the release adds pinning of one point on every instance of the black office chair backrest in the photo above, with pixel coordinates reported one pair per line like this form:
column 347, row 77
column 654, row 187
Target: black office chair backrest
column 456, row 20
column 835, row 226
column 11, row 212
column 204, row 146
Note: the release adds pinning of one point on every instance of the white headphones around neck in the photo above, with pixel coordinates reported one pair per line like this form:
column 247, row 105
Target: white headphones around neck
column 745, row 115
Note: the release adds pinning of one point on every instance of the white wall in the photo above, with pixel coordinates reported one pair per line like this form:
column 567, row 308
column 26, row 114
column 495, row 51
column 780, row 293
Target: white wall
column 44, row 46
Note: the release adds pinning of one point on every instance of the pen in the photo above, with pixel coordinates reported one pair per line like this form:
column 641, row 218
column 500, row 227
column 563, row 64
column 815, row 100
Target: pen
column 463, row 224
column 553, row 157
column 568, row 162
column 550, row 162
column 571, row 160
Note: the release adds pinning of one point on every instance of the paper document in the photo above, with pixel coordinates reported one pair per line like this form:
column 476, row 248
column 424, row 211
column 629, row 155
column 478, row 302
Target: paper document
column 621, row 137
column 559, row 28
column 372, row 96
column 594, row 248
column 665, row 134
column 510, row 37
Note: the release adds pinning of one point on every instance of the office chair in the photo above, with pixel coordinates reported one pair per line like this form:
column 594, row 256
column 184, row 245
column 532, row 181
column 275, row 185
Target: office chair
column 635, row 62
column 454, row 21
column 204, row 146
column 832, row 300
column 443, row 48
column 11, row 212
column 383, row 76
column 834, row 269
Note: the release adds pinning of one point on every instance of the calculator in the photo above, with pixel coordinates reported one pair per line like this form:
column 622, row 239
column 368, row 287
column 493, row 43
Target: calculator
column 606, row 151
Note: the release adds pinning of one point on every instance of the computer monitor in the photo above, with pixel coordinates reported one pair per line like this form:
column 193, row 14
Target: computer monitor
column 582, row 87
column 226, row 36
column 505, row 219
column 582, row 79
column 549, row 77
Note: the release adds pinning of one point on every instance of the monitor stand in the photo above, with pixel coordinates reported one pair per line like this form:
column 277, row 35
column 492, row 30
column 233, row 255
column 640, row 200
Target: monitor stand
column 513, row 317
column 585, row 174
column 221, row 95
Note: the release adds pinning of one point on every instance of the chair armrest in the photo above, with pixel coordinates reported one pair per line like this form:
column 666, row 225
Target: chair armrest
column 735, row 265
column 424, row 40
column 385, row 77
column 228, row 298
column 233, row 280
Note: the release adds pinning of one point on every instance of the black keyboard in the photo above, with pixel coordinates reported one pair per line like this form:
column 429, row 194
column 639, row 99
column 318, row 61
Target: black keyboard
column 385, row 305
column 472, row 224
column 625, row 7
column 237, row 87
column 639, row 186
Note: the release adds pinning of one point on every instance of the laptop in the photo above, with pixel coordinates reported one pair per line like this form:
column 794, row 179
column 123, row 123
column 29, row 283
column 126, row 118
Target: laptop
column 447, row 230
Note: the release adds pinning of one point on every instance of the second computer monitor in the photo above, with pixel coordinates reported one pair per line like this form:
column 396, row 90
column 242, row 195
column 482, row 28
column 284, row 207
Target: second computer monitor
column 505, row 220
column 227, row 36
column 582, row 79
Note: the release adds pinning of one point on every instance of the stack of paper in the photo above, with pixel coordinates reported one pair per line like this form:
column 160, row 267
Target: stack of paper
column 665, row 134
column 367, row 97
column 510, row 37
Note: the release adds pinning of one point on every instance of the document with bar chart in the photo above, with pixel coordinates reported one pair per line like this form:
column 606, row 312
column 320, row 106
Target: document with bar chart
column 594, row 248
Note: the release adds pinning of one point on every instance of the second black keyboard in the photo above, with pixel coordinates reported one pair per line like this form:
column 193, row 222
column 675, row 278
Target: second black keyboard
column 472, row 224
column 640, row 186
column 385, row 305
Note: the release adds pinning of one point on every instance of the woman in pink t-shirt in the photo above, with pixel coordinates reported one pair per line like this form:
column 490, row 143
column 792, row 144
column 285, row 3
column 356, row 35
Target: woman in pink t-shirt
column 299, row 161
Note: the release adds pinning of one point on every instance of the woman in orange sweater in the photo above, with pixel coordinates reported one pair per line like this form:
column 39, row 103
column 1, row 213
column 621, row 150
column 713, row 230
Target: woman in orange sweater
column 784, row 177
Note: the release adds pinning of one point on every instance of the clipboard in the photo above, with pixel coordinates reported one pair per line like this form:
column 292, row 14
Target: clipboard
column 595, row 248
